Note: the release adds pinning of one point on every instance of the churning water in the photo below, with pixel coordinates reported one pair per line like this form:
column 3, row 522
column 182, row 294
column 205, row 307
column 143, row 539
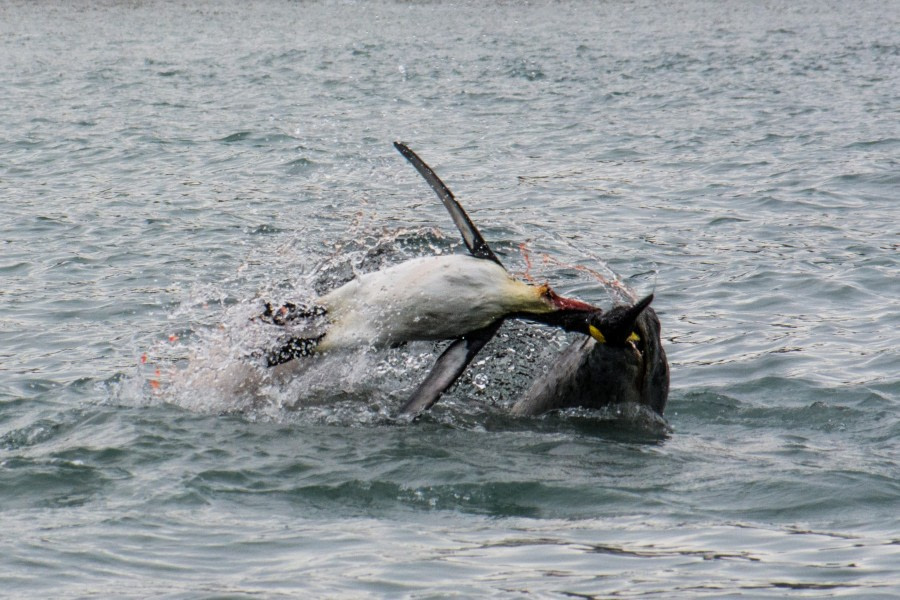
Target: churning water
column 164, row 167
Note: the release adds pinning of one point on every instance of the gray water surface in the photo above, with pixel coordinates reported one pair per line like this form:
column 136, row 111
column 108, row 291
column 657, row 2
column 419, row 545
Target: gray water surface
column 165, row 166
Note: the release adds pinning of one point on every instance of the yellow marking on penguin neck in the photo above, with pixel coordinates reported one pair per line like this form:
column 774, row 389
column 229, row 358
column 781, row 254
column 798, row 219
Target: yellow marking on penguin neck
column 528, row 298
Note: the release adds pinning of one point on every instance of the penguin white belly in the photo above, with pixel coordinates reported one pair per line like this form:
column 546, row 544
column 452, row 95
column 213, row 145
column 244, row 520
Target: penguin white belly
column 429, row 298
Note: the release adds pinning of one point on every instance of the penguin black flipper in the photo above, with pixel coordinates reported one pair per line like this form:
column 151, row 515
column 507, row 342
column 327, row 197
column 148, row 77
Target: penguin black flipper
column 447, row 369
column 457, row 356
column 471, row 236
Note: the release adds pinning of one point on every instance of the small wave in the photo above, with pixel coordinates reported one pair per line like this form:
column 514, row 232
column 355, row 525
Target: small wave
column 258, row 139
column 299, row 165
column 726, row 221
column 869, row 144
column 625, row 422
column 798, row 406
column 240, row 136
column 525, row 69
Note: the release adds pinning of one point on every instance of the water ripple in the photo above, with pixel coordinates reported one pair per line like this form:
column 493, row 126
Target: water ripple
column 164, row 167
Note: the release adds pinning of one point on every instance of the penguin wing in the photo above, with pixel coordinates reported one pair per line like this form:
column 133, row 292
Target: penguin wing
column 471, row 236
column 448, row 367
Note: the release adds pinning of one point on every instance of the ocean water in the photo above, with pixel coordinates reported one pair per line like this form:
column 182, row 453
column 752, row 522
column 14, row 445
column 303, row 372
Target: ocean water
column 166, row 166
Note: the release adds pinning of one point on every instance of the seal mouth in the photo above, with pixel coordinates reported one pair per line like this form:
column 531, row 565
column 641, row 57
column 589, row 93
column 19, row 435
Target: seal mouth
column 618, row 326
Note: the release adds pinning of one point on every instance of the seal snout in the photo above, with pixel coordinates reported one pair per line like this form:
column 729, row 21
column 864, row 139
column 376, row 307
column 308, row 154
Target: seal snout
column 616, row 326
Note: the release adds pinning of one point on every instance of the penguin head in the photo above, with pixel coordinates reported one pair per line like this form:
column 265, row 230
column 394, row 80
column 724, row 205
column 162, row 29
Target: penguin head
column 616, row 326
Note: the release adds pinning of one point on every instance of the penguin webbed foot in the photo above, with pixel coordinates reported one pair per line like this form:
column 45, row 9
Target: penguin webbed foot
column 288, row 313
column 293, row 348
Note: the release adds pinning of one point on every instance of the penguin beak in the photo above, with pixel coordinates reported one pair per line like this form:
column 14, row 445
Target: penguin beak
column 616, row 326
column 565, row 304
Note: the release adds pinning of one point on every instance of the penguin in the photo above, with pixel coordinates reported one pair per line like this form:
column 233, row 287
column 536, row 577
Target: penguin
column 464, row 298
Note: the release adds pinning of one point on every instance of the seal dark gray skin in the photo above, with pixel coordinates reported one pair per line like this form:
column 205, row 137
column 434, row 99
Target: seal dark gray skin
column 589, row 374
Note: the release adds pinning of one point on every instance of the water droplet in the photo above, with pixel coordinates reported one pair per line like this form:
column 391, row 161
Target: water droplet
column 480, row 381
